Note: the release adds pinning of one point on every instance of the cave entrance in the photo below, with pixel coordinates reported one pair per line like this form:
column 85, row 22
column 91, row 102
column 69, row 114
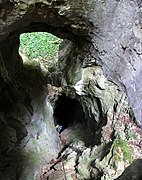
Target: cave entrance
column 39, row 45
column 68, row 112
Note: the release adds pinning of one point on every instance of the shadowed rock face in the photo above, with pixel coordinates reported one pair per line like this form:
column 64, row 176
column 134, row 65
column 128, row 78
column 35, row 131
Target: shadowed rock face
column 105, row 39
column 108, row 31
column 132, row 172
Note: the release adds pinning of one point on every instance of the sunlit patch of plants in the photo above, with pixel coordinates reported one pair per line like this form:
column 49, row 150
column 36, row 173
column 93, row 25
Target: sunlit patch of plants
column 122, row 150
column 39, row 45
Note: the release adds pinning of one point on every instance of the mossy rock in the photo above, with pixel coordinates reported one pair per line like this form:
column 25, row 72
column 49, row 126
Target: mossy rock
column 122, row 150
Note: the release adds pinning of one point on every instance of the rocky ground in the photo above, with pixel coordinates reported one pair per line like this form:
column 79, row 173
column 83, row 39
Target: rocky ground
column 120, row 146
column 79, row 158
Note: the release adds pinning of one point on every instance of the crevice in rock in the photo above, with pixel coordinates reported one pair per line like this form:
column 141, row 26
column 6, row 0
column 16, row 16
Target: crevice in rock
column 68, row 112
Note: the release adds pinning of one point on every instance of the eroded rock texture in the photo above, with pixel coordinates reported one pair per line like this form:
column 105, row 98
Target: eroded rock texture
column 98, row 63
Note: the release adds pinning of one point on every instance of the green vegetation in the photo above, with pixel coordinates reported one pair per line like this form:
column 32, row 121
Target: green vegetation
column 129, row 133
column 126, row 152
column 34, row 141
column 35, row 157
column 39, row 45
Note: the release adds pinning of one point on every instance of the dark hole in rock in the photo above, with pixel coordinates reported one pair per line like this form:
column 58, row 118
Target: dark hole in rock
column 68, row 112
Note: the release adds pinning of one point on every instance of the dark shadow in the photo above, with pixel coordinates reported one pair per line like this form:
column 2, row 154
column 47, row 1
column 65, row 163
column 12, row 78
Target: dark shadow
column 132, row 172
column 68, row 112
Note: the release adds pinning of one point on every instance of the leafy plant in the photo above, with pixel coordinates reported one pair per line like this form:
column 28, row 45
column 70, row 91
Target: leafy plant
column 127, row 151
column 40, row 45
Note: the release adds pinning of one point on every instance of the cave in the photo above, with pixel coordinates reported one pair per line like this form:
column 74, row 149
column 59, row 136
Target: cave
column 98, row 70
column 68, row 111
column 40, row 46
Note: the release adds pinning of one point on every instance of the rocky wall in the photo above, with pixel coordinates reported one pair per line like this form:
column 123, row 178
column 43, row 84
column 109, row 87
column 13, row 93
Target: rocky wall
column 100, row 63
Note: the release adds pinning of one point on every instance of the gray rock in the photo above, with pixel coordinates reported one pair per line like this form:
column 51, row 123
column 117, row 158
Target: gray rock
column 132, row 172
column 98, row 64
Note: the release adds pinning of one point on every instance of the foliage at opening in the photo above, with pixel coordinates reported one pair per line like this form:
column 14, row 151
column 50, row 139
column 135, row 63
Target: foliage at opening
column 121, row 147
column 39, row 45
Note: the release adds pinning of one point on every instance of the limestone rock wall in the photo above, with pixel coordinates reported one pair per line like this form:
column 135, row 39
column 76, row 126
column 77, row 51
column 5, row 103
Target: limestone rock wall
column 104, row 54
column 28, row 135
column 109, row 31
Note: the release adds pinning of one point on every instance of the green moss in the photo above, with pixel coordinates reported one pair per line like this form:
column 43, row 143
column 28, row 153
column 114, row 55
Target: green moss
column 126, row 153
column 33, row 141
column 35, row 157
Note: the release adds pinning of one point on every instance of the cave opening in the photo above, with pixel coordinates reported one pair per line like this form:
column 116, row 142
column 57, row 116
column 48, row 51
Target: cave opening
column 23, row 90
column 39, row 45
column 68, row 112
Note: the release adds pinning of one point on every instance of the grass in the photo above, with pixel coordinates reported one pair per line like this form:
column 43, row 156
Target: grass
column 39, row 45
